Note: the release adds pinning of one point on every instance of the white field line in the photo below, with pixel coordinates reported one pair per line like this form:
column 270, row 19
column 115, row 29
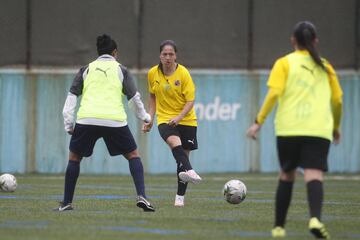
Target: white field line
column 222, row 178
column 238, row 176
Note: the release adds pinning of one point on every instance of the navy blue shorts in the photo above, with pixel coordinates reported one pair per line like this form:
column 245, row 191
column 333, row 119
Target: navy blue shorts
column 304, row 152
column 118, row 140
column 187, row 134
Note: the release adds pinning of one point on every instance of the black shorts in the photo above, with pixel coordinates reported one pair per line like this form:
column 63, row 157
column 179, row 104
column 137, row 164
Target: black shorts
column 304, row 152
column 187, row 134
column 118, row 140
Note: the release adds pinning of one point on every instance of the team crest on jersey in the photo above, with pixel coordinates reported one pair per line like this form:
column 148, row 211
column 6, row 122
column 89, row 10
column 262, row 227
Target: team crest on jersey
column 177, row 83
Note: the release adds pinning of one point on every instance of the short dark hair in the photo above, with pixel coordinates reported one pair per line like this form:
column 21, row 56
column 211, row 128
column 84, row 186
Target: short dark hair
column 105, row 44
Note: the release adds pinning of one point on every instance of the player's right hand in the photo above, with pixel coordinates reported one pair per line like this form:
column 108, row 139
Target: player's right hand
column 69, row 128
column 253, row 130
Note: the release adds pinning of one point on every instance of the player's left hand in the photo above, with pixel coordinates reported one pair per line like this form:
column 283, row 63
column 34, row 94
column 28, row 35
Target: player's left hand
column 336, row 137
column 174, row 121
column 147, row 118
column 147, row 127
column 253, row 130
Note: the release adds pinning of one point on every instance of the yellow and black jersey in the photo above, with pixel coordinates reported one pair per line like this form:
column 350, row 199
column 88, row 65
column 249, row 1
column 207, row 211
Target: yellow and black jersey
column 172, row 92
column 306, row 95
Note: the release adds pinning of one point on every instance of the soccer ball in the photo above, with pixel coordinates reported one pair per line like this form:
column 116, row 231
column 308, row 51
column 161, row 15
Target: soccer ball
column 8, row 183
column 234, row 191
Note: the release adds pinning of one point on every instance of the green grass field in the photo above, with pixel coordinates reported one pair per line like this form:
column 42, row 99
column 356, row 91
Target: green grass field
column 105, row 209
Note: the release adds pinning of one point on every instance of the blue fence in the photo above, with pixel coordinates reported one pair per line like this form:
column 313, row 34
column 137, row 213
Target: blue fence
column 32, row 138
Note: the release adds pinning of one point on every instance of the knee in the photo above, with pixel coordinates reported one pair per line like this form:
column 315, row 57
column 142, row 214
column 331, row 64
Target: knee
column 173, row 141
column 287, row 176
column 74, row 157
column 131, row 155
column 313, row 174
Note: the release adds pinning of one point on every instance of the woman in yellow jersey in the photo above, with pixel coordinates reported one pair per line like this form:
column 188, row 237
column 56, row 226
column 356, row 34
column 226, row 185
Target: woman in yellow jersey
column 172, row 95
column 308, row 116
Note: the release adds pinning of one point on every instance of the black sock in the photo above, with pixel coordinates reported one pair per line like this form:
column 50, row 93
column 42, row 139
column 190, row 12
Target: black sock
column 71, row 176
column 315, row 194
column 181, row 185
column 283, row 199
column 181, row 157
column 137, row 173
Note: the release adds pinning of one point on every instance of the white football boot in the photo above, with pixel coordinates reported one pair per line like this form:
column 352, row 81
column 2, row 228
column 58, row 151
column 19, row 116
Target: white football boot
column 179, row 201
column 190, row 176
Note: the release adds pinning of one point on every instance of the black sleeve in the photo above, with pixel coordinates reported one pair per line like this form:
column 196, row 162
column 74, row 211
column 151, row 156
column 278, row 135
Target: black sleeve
column 129, row 88
column 78, row 82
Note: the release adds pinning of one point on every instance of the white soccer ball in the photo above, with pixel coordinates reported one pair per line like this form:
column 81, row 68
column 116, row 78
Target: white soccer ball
column 8, row 182
column 234, row 191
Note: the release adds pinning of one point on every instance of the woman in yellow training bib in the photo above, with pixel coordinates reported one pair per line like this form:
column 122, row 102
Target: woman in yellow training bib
column 103, row 84
column 308, row 116
column 172, row 96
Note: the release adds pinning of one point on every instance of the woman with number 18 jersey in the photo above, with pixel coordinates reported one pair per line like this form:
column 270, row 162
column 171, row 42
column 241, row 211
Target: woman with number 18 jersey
column 307, row 119
column 172, row 96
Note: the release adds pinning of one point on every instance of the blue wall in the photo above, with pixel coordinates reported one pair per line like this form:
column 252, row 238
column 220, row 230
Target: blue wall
column 32, row 138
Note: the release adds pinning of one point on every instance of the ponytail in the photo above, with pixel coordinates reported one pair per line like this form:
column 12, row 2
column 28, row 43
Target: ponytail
column 305, row 34
column 160, row 67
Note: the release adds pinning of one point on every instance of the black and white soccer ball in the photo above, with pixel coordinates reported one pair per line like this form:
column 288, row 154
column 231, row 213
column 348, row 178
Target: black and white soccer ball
column 234, row 191
column 8, row 183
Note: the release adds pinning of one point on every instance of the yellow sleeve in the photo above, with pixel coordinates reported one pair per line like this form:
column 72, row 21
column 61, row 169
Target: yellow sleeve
column 279, row 74
column 276, row 84
column 336, row 95
column 188, row 86
column 150, row 76
column 334, row 82
column 268, row 104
